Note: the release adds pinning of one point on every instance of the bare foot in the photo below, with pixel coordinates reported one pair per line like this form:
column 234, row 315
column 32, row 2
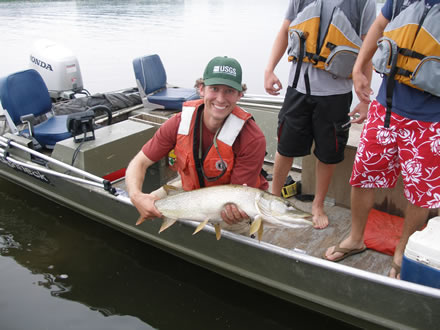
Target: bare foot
column 331, row 255
column 320, row 219
column 395, row 268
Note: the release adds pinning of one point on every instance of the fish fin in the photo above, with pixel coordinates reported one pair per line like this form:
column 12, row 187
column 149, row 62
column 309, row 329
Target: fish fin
column 171, row 190
column 218, row 231
column 256, row 224
column 140, row 220
column 201, row 226
column 257, row 202
column 262, row 207
column 167, row 222
column 260, row 232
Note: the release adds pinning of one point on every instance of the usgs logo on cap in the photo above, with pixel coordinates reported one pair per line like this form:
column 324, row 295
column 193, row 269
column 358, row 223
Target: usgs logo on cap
column 225, row 69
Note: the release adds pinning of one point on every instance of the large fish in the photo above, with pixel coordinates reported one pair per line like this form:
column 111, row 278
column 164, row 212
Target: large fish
column 204, row 205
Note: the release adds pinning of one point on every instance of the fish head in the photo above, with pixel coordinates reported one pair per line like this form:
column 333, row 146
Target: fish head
column 283, row 212
column 284, row 207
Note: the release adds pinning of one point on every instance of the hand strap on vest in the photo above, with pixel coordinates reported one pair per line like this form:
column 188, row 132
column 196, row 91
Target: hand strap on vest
column 391, row 83
column 389, row 99
column 302, row 47
column 307, row 81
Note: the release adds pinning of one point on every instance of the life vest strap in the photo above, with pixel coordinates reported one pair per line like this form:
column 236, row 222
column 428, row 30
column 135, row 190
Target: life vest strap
column 307, row 81
column 302, row 47
column 197, row 160
column 411, row 53
column 391, row 83
column 404, row 72
column 330, row 45
column 315, row 58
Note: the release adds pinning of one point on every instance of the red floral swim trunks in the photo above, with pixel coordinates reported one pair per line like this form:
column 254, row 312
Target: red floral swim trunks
column 410, row 147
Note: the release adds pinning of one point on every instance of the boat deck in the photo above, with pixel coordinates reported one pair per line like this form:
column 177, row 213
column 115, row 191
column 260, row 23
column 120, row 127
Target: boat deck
column 314, row 242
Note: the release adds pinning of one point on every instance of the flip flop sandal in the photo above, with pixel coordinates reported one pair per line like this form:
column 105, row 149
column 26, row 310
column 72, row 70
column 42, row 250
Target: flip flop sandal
column 345, row 252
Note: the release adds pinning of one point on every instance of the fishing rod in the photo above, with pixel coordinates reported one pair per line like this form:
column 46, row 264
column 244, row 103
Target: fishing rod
column 92, row 179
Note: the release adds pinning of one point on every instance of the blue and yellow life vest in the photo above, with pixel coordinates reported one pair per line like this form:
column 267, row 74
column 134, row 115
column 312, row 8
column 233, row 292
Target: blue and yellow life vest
column 341, row 43
column 409, row 51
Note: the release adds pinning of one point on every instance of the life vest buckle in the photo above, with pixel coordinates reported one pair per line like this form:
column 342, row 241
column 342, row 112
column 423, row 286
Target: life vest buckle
column 314, row 59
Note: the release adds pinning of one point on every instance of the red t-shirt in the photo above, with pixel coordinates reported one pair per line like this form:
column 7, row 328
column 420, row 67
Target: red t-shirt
column 249, row 149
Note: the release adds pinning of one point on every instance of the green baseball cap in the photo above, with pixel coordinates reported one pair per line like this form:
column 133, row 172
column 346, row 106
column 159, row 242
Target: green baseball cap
column 223, row 70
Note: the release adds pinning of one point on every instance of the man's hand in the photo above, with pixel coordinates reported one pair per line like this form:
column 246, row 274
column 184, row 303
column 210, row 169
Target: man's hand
column 272, row 84
column 362, row 87
column 144, row 203
column 231, row 214
column 362, row 110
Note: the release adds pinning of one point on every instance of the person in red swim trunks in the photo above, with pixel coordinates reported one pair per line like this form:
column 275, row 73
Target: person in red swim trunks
column 402, row 132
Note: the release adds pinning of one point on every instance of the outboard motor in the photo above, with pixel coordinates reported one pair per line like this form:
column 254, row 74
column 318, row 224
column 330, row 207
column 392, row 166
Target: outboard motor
column 59, row 69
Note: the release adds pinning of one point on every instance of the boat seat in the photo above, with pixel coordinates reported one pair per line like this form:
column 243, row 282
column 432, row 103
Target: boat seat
column 24, row 96
column 151, row 79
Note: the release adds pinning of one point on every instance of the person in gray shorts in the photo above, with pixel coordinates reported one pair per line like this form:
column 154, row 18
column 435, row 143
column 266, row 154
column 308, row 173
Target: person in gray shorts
column 317, row 104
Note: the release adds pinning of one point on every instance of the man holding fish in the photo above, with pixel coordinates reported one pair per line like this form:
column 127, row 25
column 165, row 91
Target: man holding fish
column 215, row 142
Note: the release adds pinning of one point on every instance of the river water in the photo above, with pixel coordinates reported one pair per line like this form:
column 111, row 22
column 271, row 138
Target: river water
column 60, row 270
column 107, row 35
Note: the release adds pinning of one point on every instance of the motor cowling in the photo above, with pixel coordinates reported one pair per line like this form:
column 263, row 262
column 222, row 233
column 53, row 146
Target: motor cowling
column 58, row 67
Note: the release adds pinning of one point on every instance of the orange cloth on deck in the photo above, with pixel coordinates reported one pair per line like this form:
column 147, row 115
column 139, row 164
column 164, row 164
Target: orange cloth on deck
column 383, row 231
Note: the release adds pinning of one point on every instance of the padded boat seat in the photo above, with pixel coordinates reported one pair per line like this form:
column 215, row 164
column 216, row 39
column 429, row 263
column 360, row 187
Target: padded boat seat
column 25, row 93
column 152, row 81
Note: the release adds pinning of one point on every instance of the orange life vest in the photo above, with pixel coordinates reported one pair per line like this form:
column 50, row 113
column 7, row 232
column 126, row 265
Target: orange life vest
column 217, row 160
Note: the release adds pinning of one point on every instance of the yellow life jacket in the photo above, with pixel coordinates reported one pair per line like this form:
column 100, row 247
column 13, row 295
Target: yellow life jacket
column 340, row 45
column 409, row 51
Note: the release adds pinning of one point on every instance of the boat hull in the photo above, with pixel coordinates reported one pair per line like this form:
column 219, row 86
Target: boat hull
column 354, row 296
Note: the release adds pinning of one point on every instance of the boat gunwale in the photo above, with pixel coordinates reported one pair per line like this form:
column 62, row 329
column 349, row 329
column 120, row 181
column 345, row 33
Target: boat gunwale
column 330, row 265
